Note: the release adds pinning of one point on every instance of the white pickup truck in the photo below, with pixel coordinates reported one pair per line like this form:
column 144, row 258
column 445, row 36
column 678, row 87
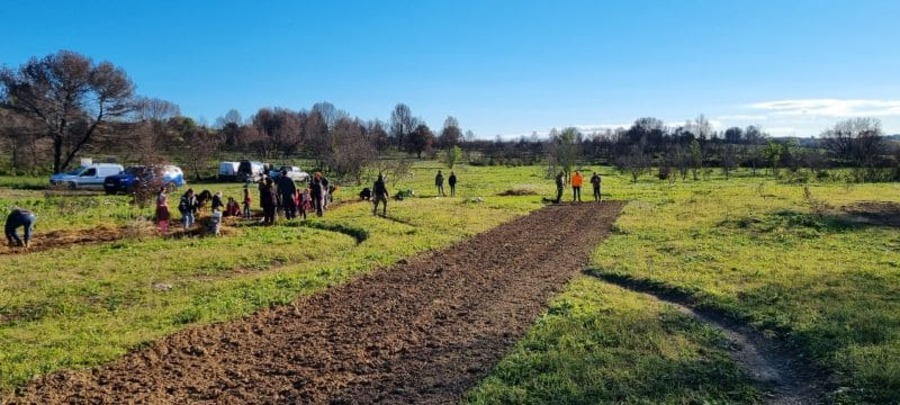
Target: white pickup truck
column 293, row 173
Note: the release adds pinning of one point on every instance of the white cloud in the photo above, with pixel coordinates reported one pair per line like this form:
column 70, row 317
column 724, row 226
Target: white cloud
column 743, row 117
column 591, row 128
column 830, row 108
column 783, row 131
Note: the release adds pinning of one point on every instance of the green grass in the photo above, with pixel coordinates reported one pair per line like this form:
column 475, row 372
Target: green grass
column 750, row 247
column 85, row 305
column 599, row 343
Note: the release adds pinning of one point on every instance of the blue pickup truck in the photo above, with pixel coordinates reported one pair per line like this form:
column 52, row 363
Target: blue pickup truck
column 133, row 177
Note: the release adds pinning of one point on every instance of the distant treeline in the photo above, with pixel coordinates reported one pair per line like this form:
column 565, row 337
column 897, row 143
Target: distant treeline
column 58, row 108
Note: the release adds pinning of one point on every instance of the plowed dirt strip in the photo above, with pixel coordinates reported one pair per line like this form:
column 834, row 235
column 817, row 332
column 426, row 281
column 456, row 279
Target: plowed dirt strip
column 422, row 331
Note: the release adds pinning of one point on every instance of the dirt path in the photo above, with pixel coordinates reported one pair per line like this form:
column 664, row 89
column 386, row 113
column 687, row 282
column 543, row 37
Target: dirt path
column 786, row 379
column 422, row 331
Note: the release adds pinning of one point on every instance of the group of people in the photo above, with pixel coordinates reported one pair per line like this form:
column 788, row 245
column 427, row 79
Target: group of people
column 577, row 181
column 439, row 182
column 280, row 193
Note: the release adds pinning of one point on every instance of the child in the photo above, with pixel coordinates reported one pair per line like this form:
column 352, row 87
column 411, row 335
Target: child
column 162, row 212
column 305, row 203
column 232, row 209
column 247, row 201
column 215, row 223
column 217, row 203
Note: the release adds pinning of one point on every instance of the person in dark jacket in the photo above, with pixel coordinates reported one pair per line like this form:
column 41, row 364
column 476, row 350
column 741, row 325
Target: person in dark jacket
column 452, row 182
column 267, row 200
column 595, row 182
column 379, row 195
column 288, row 191
column 19, row 218
column 187, row 206
column 217, row 203
column 559, row 187
column 317, row 193
column 439, row 182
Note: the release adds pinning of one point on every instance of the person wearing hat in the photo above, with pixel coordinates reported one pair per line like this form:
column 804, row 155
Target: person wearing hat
column 19, row 218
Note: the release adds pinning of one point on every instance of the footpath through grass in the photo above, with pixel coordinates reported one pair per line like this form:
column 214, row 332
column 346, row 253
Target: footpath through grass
column 825, row 283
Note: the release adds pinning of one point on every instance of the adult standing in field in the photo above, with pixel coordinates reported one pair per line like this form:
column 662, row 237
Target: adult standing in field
column 379, row 195
column 317, row 193
column 577, row 180
column 439, row 182
column 596, row 182
column 452, row 182
column 326, row 196
column 267, row 199
column 19, row 218
column 162, row 211
column 288, row 191
column 187, row 206
column 560, row 186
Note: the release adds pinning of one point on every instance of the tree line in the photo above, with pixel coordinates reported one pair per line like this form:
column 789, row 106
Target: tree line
column 63, row 106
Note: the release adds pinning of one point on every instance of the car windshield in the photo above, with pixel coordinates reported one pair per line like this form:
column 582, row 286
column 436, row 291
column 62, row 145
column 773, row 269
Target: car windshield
column 77, row 171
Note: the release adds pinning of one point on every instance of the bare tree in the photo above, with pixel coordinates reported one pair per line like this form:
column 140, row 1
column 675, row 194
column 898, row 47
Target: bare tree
column 451, row 135
column 856, row 141
column 636, row 162
column 20, row 138
column 562, row 151
column 377, row 135
column 728, row 158
column 420, row 141
column 70, row 96
column 351, row 150
column 402, row 124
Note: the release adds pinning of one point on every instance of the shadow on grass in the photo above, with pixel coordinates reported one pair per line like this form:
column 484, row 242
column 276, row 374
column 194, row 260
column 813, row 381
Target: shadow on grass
column 810, row 224
column 358, row 234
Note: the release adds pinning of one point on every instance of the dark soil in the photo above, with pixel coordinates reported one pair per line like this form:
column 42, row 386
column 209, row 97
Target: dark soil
column 517, row 192
column 877, row 212
column 422, row 331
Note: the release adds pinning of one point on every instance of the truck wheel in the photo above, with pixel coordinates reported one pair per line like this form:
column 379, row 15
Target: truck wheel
column 72, row 185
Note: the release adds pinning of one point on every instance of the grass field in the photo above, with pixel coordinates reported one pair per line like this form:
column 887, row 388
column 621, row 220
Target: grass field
column 825, row 284
column 750, row 247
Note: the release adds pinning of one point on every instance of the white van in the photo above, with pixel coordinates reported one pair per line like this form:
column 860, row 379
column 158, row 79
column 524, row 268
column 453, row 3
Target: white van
column 228, row 171
column 88, row 176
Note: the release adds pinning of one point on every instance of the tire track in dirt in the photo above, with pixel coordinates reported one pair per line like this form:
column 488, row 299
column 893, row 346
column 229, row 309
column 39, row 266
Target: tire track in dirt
column 422, row 331
column 783, row 377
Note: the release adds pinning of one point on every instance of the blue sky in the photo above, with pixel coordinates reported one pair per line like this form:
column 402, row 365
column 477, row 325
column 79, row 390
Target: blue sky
column 500, row 67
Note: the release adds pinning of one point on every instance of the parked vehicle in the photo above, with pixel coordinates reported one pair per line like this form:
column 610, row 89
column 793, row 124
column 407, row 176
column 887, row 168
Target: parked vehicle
column 293, row 172
column 250, row 171
column 228, row 171
column 170, row 176
column 89, row 177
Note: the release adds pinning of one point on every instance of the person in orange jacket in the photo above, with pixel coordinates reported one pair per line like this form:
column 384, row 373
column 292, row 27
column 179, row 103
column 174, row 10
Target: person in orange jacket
column 577, row 180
